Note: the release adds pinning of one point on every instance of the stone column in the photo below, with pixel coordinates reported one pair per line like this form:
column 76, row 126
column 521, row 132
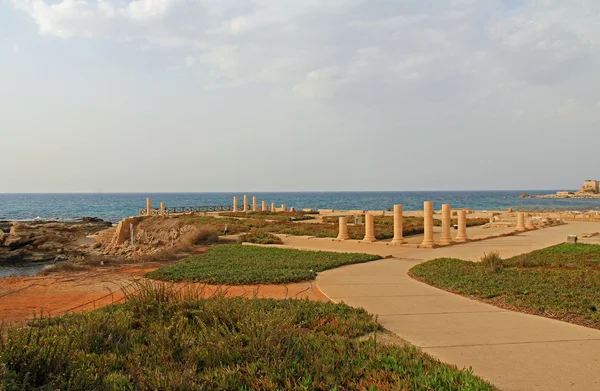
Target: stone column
column 461, row 236
column 163, row 208
column 446, row 239
column 253, row 204
column 148, row 206
column 369, row 228
column 343, row 233
column 273, row 207
column 398, row 234
column 529, row 224
column 283, row 208
column 521, row 221
column 245, row 207
column 428, row 224
column 235, row 205
column 264, row 206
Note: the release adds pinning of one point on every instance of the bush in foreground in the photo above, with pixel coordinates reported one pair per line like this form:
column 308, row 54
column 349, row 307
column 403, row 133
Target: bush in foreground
column 241, row 265
column 161, row 339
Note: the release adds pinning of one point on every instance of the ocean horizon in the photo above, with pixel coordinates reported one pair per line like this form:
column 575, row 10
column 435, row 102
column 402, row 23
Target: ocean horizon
column 116, row 206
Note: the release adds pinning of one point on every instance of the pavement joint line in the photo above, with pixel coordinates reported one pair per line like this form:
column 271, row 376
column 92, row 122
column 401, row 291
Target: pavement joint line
column 446, row 313
column 507, row 343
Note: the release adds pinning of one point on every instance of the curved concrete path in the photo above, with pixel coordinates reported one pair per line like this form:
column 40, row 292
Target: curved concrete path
column 514, row 351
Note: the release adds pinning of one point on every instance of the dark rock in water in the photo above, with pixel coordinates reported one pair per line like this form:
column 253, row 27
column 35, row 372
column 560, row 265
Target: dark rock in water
column 524, row 195
column 95, row 220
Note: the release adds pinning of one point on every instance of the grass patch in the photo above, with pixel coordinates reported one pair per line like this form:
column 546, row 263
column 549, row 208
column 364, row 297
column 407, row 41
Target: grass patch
column 260, row 236
column 241, row 265
column 561, row 282
column 164, row 340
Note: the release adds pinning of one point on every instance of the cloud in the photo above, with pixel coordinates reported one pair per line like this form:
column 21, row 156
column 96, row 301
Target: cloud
column 456, row 54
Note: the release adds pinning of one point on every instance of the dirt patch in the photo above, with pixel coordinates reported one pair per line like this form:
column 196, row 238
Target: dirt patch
column 23, row 298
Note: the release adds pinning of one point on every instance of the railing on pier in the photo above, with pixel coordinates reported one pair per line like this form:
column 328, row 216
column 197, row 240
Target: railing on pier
column 186, row 209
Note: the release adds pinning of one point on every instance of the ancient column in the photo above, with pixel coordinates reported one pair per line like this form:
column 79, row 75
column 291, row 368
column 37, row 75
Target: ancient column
column 427, row 224
column 283, row 208
column 264, row 206
column 148, row 206
column 529, row 224
column 398, row 234
column 521, row 221
column 253, row 204
column 461, row 236
column 343, row 233
column 235, row 204
column 446, row 222
column 163, row 208
column 369, row 228
column 245, row 207
column 273, row 207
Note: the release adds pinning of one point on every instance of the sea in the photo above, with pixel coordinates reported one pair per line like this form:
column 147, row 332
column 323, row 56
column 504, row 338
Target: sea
column 114, row 207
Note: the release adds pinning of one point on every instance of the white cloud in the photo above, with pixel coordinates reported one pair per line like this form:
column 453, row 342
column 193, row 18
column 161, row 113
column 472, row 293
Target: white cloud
column 189, row 61
column 467, row 51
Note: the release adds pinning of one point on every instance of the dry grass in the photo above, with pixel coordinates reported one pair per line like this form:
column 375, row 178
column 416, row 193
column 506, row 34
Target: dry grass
column 200, row 235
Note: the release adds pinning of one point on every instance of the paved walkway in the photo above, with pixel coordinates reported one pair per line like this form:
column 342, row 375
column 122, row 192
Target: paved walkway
column 514, row 351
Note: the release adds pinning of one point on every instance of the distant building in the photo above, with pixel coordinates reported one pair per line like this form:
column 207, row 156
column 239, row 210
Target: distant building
column 591, row 186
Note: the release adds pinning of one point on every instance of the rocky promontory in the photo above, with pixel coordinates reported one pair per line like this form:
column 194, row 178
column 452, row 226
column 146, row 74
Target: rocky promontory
column 42, row 241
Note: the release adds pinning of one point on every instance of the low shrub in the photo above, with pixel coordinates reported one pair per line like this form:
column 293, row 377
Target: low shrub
column 260, row 236
column 200, row 235
column 492, row 261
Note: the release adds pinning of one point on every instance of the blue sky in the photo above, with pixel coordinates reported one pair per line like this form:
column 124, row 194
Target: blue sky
column 260, row 95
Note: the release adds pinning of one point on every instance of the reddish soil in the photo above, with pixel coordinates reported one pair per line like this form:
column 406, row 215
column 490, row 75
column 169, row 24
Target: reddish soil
column 23, row 298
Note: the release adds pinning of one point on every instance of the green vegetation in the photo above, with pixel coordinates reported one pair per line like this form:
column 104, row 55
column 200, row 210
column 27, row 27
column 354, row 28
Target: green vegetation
column 162, row 339
column 259, row 236
column 240, row 265
column 561, row 282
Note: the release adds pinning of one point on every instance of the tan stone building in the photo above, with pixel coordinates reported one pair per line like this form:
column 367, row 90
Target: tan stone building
column 591, row 186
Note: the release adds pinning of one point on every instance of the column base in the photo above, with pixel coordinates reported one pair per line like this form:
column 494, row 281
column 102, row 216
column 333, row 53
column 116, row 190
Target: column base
column 397, row 242
column 369, row 240
column 428, row 245
column 446, row 242
column 461, row 240
column 343, row 237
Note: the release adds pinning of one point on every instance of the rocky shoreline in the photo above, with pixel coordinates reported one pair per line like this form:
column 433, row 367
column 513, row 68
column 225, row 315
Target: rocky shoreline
column 571, row 195
column 46, row 241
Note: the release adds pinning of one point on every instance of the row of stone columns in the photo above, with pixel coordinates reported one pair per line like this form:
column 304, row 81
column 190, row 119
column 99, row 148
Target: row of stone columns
column 428, row 239
column 254, row 207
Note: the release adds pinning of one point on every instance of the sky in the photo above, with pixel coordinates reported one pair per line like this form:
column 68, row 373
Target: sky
column 298, row 95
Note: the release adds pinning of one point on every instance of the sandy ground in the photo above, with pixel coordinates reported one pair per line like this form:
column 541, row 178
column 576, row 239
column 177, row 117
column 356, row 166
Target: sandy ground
column 23, row 298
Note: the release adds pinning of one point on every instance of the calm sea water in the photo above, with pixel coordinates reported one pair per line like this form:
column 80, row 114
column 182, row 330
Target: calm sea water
column 113, row 207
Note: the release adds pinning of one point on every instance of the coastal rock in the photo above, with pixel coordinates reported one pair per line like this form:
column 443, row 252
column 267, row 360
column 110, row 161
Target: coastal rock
column 39, row 241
